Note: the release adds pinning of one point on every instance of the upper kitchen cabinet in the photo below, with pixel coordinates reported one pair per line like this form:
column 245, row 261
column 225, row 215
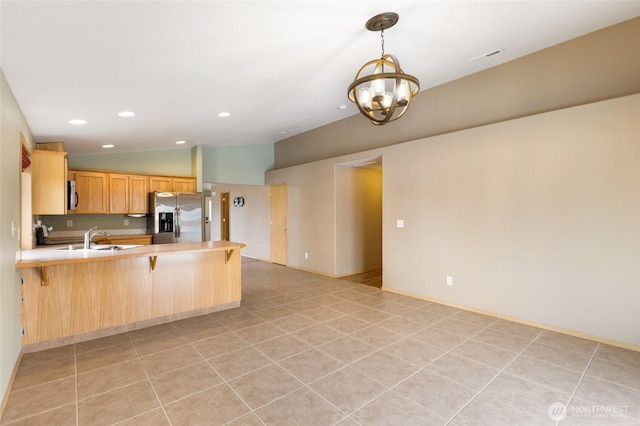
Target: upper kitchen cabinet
column 184, row 185
column 172, row 184
column 49, row 182
column 160, row 184
column 138, row 194
column 92, row 192
column 128, row 194
column 118, row 193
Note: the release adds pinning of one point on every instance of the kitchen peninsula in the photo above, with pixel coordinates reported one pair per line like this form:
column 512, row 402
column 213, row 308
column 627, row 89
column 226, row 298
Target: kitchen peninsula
column 70, row 295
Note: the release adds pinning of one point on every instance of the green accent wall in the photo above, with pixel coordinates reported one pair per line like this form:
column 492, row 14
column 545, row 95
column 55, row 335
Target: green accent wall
column 174, row 162
column 241, row 165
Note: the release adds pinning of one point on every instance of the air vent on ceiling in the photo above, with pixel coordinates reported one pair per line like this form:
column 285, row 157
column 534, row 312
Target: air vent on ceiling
column 486, row 55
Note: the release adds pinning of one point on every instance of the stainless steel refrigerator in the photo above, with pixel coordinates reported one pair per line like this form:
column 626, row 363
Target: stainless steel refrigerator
column 176, row 217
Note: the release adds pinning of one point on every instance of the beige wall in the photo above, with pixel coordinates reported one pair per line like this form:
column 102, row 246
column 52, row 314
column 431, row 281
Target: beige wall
column 248, row 224
column 601, row 65
column 12, row 122
column 535, row 218
column 310, row 216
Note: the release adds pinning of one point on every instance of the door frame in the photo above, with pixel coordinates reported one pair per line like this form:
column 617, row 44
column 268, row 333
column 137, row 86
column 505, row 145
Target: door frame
column 225, row 217
column 279, row 223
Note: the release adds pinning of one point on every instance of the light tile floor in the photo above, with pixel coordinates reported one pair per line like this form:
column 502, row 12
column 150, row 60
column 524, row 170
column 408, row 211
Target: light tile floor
column 309, row 350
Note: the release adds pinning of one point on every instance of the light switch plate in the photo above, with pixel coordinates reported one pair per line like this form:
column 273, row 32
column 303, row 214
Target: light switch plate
column 400, row 223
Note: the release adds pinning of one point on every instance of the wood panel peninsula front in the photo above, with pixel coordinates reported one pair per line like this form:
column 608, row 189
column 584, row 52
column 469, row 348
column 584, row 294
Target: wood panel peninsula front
column 69, row 296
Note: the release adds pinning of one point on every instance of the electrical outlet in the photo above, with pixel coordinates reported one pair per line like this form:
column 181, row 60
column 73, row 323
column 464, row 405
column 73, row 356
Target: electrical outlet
column 306, row 255
column 69, row 224
column 400, row 223
column 126, row 222
column 449, row 280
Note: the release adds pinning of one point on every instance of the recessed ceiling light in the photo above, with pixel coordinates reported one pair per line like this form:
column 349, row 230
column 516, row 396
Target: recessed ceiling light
column 341, row 107
column 107, row 146
column 126, row 114
column 180, row 142
column 286, row 131
column 77, row 121
column 224, row 114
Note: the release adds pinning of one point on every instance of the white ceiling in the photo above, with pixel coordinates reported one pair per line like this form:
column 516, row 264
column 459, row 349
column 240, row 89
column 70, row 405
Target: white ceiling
column 279, row 67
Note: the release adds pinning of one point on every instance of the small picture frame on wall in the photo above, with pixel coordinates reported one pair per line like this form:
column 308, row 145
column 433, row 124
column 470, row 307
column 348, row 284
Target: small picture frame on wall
column 238, row 201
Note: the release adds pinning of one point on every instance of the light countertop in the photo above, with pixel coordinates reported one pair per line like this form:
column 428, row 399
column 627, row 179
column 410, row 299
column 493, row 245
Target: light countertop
column 55, row 255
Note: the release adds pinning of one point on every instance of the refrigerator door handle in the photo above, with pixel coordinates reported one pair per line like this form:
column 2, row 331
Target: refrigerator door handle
column 177, row 222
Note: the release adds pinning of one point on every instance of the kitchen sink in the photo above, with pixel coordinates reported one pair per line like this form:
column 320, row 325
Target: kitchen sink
column 100, row 247
column 115, row 247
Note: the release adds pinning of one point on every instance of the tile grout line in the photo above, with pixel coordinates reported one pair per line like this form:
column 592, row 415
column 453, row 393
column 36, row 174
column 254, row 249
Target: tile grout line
column 575, row 389
column 225, row 382
column 473, row 398
column 277, row 363
column 420, row 369
column 378, row 349
column 139, row 358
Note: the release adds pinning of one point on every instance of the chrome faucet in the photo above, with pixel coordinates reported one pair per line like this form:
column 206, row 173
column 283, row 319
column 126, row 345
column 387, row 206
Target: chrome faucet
column 88, row 236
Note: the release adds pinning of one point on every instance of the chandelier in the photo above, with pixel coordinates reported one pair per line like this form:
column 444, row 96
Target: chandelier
column 381, row 90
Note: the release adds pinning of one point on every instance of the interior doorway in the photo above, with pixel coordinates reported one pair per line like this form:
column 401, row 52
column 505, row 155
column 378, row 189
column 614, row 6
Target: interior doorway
column 358, row 219
column 279, row 232
column 224, row 217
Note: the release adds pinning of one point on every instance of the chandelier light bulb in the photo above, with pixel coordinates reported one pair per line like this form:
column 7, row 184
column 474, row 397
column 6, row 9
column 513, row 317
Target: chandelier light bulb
column 403, row 93
column 365, row 97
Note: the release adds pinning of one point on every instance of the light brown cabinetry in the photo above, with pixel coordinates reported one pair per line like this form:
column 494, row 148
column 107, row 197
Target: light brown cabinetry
column 171, row 184
column 69, row 294
column 121, row 193
column 184, row 185
column 92, row 189
column 138, row 194
column 128, row 194
column 118, row 193
column 48, row 182
column 160, row 184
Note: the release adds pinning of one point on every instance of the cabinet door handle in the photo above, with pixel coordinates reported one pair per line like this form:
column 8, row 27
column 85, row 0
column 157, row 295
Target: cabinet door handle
column 77, row 199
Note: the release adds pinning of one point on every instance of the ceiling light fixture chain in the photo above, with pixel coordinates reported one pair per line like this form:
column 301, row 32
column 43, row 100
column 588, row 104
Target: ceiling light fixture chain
column 381, row 90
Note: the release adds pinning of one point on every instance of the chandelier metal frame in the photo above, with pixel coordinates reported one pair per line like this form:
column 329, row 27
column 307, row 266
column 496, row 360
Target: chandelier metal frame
column 383, row 95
